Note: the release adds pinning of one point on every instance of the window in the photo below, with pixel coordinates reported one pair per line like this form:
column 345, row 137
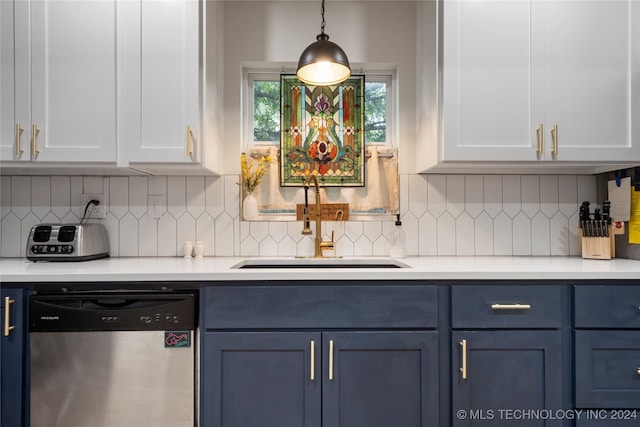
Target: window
column 265, row 112
column 262, row 109
column 377, row 110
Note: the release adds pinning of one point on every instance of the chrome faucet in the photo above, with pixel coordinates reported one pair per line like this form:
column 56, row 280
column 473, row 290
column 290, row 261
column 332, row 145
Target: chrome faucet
column 318, row 244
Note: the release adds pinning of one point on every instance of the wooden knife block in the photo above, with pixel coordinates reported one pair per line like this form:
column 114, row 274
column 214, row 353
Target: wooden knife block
column 598, row 247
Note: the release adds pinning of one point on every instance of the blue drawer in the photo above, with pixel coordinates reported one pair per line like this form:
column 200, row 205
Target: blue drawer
column 320, row 306
column 506, row 307
column 607, row 369
column 614, row 307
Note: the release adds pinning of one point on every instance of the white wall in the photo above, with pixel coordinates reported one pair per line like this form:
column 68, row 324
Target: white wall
column 380, row 34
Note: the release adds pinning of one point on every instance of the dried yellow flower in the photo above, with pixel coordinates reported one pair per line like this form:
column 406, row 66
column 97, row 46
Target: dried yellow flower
column 249, row 180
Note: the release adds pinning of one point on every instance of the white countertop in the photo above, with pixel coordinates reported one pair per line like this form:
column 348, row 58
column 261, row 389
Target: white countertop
column 220, row 268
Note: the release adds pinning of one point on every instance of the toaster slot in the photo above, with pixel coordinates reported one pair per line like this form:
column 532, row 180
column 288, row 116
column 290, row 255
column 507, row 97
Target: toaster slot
column 42, row 233
column 67, row 233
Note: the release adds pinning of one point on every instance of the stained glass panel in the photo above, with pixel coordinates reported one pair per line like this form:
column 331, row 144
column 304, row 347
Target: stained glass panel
column 322, row 132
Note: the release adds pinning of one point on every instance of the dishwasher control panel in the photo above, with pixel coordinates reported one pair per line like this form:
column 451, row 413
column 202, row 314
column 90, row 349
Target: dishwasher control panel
column 166, row 318
column 68, row 312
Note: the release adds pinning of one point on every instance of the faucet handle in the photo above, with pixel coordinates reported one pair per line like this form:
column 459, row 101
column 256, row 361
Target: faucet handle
column 306, row 228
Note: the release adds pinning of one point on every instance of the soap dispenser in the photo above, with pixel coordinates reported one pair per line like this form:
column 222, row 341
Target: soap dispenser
column 398, row 243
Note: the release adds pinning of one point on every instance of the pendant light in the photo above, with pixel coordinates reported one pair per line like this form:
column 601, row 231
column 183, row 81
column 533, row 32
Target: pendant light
column 323, row 62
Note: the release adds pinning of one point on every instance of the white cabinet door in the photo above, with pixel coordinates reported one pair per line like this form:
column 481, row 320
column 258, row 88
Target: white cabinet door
column 9, row 149
column 491, row 87
column 592, row 81
column 73, row 80
column 160, row 71
column 15, row 84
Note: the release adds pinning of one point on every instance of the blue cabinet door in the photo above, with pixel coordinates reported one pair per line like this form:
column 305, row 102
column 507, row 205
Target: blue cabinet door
column 608, row 370
column 12, row 358
column 266, row 379
column 380, row 379
column 509, row 376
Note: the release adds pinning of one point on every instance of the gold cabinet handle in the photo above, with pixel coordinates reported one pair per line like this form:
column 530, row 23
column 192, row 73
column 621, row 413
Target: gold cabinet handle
column 312, row 350
column 540, row 132
column 638, row 371
column 189, row 137
column 554, row 138
column 19, row 131
column 34, row 141
column 7, row 316
column 463, row 369
column 510, row 306
column 330, row 360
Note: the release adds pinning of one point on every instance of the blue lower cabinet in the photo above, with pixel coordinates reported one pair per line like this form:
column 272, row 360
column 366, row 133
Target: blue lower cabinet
column 507, row 378
column 380, row 379
column 12, row 356
column 316, row 379
column 267, row 379
column 608, row 369
column 607, row 356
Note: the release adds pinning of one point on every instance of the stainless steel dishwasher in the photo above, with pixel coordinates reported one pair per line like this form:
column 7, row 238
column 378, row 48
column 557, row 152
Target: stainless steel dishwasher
column 112, row 359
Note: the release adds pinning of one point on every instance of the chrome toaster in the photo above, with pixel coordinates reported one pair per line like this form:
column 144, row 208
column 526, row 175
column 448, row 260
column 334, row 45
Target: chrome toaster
column 67, row 242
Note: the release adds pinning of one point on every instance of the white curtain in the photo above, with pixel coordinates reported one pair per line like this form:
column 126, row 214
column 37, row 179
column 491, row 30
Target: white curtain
column 379, row 195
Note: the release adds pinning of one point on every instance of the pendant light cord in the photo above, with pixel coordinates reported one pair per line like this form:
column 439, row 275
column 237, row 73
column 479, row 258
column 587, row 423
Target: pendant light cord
column 322, row 12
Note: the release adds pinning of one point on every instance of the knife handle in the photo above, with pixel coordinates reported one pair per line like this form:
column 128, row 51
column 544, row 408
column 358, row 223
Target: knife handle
column 606, row 211
column 596, row 214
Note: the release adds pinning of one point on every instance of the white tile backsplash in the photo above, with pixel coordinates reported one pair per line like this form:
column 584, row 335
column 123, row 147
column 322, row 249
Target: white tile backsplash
column 441, row 215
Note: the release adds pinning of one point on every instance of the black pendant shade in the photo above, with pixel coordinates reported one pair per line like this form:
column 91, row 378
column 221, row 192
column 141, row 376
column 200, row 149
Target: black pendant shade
column 323, row 62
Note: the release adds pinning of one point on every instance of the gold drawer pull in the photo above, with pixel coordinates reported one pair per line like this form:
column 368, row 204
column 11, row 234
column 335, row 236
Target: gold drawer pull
column 540, row 139
column 638, row 371
column 7, row 316
column 34, row 141
column 554, row 138
column 188, row 142
column 463, row 369
column 331, row 360
column 19, row 131
column 313, row 360
column 510, row 307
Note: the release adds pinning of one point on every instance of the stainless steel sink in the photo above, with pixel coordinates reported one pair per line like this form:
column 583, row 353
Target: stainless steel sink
column 283, row 263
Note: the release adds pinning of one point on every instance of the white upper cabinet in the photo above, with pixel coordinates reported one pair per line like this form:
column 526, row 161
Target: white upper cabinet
column 593, row 79
column 533, row 83
column 64, row 93
column 106, row 86
column 160, row 73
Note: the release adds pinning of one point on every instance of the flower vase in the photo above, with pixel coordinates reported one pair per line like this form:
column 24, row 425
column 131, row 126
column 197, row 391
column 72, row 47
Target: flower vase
column 250, row 208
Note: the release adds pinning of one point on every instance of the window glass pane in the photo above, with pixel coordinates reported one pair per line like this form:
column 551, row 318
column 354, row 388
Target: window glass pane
column 266, row 110
column 375, row 112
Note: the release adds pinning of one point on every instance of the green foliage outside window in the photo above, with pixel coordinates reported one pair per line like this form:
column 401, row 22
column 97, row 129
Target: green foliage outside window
column 266, row 111
column 375, row 112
